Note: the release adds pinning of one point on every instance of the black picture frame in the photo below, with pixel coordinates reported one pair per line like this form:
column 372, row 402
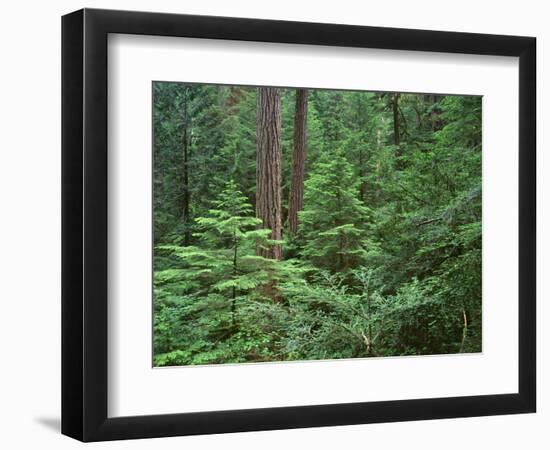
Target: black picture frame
column 84, row 224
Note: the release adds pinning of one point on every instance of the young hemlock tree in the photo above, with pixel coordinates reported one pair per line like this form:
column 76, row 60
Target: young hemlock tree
column 227, row 237
column 334, row 222
column 222, row 271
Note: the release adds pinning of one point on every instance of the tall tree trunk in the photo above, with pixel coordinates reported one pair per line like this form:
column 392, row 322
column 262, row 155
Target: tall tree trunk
column 296, row 198
column 378, row 162
column 268, row 166
column 186, row 193
column 360, row 127
column 395, row 111
column 434, row 119
column 396, row 129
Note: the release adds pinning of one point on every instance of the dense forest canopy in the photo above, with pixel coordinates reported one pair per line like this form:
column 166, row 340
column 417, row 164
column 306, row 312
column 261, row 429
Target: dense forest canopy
column 297, row 224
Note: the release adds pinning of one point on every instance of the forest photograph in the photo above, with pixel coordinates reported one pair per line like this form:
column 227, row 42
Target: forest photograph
column 297, row 224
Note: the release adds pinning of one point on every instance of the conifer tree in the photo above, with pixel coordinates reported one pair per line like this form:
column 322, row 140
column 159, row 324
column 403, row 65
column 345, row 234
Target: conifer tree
column 296, row 197
column 228, row 236
column 268, row 167
column 387, row 256
column 333, row 221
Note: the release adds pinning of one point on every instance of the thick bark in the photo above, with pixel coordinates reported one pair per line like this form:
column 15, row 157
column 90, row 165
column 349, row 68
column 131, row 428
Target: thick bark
column 268, row 167
column 296, row 197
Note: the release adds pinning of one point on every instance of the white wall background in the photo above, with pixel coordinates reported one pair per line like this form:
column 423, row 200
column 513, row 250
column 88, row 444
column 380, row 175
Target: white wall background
column 30, row 227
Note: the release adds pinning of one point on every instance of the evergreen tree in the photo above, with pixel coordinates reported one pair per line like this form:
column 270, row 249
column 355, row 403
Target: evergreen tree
column 387, row 255
column 296, row 196
column 222, row 262
column 223, row 268
column 268, row 167
column 334, row 222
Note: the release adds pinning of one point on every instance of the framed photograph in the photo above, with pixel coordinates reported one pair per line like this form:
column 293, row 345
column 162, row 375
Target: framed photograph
column 273, row 225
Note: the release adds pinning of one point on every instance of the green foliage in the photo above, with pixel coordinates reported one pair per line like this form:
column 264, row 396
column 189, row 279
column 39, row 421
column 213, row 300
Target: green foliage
column 334, row 221
column 216, row 288
column 387, row 259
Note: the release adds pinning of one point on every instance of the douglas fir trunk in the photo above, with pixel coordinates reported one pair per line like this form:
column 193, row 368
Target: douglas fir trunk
column 268, row 166
column 296, row 198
